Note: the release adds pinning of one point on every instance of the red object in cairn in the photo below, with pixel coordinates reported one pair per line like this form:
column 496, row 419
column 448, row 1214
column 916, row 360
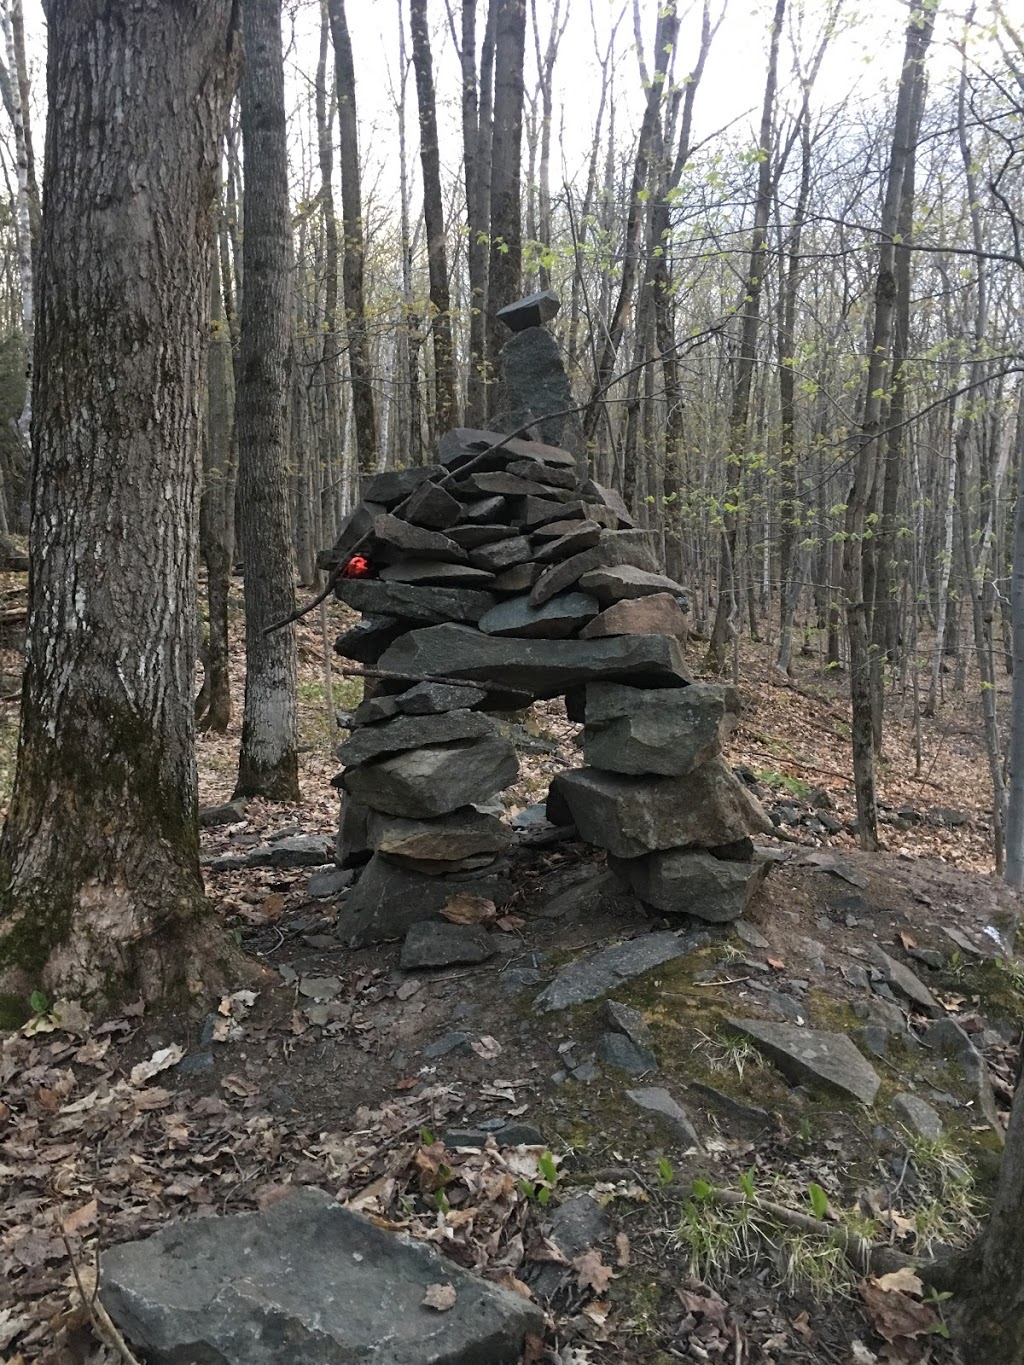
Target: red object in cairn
column 357, row 567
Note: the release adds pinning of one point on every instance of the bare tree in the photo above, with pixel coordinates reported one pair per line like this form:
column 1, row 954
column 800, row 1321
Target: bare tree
column 267, row 761
column 101, row 887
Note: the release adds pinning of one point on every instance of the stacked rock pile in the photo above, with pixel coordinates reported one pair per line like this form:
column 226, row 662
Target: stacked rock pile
column 495, row 578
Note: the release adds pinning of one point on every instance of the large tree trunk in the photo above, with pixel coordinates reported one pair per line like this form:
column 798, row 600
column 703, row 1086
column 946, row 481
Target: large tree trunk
column 267, row 762
column 445, row 402
column 100, row 888
column 363, row 409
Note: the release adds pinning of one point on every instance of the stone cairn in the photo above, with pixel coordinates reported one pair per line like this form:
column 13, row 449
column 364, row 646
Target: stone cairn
column 494, row 578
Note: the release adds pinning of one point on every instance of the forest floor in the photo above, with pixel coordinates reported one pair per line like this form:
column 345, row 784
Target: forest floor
column 325, row 1071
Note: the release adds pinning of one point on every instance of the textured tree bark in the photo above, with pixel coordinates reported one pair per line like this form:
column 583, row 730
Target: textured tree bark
column 100, row 888
column 364, row 412
column 445, row 402
column 267, row 760
column 216, row 509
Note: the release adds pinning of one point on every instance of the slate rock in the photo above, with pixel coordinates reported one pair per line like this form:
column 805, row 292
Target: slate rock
column 396, row 534
column 502, row 554
column 617, row 1050
column 388, row 899
column 541, row 668
column 472, row 537
column 531, row 311
column 750, row 934
column 519, row 1135
column 667, row 731
column 827, row 1061
column 905, row 983
column 543, row 473
column 586, row 1073
column 461, row 444
column 426, row 606
column 659, row 614
column 615, row 547
column 465, row 1137
column 304, row 1280
column 627, row 580
column 486, row 511
column 537, row 513
column 351, row 844
column 367, row 640
column 732, row 1107
column 435, row 943
column 919, row 1115
column 571, row 904
column 354, row 530
column 555, row 620
column 601, row 972
column 432, row 507
column 393, row 485
column 657, row 1101
column 461, row 833
column 372, row 710
column 534, row 390
column 584, row 536
column 413, row 732
column 447, row 1044
column 330, row 883
column 631, row 816
column 421, row 783
column 429, row 572
column 628, row 1021
column 611, row 498
column 505, row 485
column 195, row 1064
column 231, row 813
column 691, row 882
column 947, row 1036
column 431, row 699
column 576, row 1225
column 874, row 1038
column 302, row 850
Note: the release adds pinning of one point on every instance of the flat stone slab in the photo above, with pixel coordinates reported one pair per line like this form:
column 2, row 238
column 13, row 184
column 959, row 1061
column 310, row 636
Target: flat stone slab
column 919, row 1115
column 531, row 311
column 542, row 668
column 626, row 581
column 304, row 1281
column 461, row 833
column 907, row 984
column 556, row 619
column 429, row 572
column 590, row 977
column 416, row 541
column 828, row 1061
column 413, row 732
column 666, row 731
column 301, row 850
column 659, row 614
column 231, row 813
column 393, row 485
column 626, row 1020
column 421, row 783
column 656, row 1100
column 616, row 1049
column 436, row 943
column 631, row 816
column 427, row 606
column 430, row 699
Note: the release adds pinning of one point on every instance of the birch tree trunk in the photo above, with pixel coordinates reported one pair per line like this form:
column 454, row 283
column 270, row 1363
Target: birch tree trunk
column 100, row 888
column 267, row 761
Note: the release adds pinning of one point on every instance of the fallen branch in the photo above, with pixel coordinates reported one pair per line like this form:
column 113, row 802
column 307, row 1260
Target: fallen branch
column 100, row 1318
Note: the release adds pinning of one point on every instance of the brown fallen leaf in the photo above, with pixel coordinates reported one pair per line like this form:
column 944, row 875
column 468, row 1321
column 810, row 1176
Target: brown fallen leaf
column 160, row 1061
column 81, row 1218
column 697, row 1298
column 622, row 1247
column 894, row 1314
column 486, row 1047
column 508, row 924
column 440, row 1297
column 777, row 963
column 903, row 1279
column 591, row 1272
column 801, row 1324
column 463, row 909
column 908, row 940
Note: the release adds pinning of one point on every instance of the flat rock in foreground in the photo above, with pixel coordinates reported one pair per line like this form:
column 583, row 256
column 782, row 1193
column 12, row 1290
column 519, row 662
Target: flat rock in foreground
column 827, row 1061
column 602, row 972
column 305, row 1280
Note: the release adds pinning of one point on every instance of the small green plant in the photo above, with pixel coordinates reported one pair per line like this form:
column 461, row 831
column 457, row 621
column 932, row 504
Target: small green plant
column 540, row 1191
column 666, row 1173
column 795, row 786
column 818, row 1200
column 39, row 1003
column 730, row 1052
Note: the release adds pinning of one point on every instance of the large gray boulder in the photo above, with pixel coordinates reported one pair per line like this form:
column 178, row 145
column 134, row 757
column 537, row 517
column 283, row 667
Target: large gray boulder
column 308, row 1281
column 389, row 898
column 669, row 731
column 422, row 783
column 542, row 668
column 631, row 816
column 691, row 882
